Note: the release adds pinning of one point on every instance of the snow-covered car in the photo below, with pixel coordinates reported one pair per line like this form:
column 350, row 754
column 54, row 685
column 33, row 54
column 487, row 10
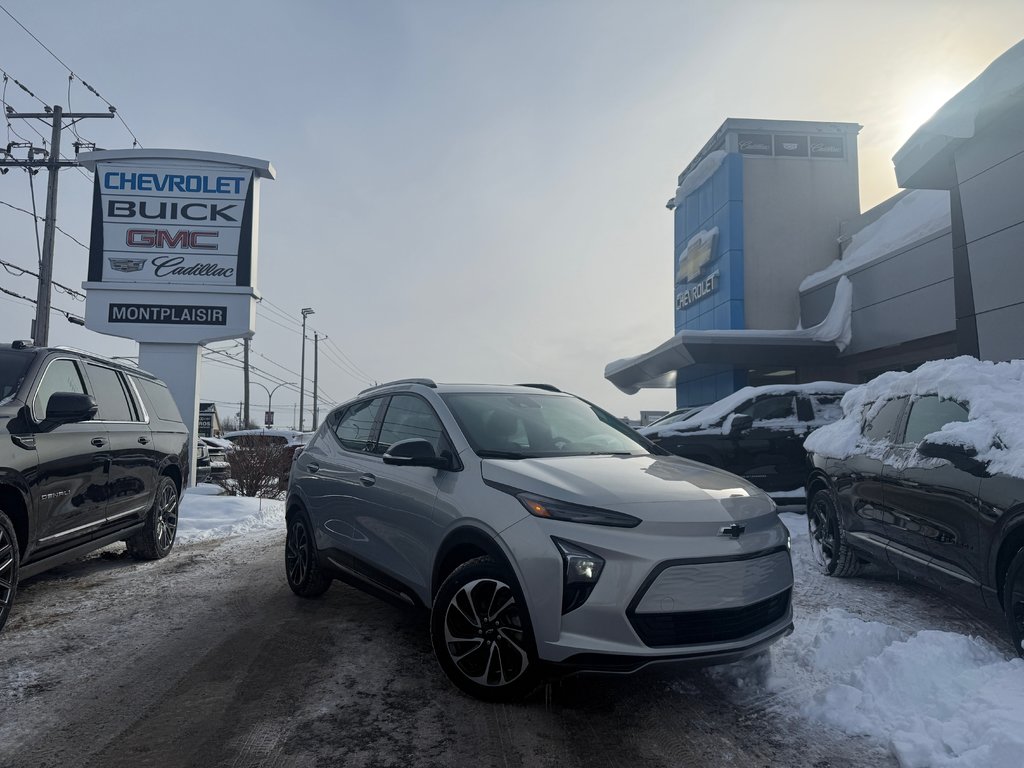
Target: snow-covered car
column 539, row 531
column 925, row 473
column 671, row 418
column 756, row 433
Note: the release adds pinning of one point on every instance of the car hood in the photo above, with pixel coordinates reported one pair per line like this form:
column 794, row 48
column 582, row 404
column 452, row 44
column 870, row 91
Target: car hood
column 647, row 486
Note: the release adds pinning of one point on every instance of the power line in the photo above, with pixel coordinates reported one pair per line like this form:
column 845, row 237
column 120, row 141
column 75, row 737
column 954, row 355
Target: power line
column 75, row 319
column 66, row 234
column 113, row 109
column 14, row 269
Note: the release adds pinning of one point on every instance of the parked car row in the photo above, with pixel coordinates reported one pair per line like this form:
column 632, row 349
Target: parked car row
column 540, row 532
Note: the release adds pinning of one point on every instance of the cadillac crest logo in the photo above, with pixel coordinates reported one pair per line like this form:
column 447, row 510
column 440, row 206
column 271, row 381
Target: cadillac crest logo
column 126, row 265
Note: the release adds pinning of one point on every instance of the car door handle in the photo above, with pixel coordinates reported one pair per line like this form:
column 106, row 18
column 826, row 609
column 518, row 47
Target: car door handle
column 99, row 442
column 144, row 440
column 368, row 479
column 313, row 467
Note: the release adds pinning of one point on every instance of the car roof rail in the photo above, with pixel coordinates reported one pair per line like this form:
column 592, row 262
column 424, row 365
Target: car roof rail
column 547, row 387
column 425, row 382
column 125, row 362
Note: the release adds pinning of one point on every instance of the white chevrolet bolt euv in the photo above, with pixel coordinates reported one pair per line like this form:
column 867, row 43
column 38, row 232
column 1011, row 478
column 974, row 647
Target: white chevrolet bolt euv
column 542, row 534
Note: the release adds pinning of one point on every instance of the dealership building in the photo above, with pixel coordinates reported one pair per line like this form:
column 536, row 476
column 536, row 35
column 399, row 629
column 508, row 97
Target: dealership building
column 779, row 278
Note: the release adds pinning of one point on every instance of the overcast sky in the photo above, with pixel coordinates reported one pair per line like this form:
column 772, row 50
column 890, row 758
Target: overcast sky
column 467, row 190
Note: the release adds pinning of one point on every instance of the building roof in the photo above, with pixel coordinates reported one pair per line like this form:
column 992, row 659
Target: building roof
column 924, row 160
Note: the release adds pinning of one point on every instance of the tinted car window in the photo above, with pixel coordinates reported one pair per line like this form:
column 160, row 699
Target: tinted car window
column 355, row 425
column 13, row 366
column 881, row 426
column 60, row 376
column 110, row 395
column 769, row 408
column 159, row 399
column 827, row 408
column 929, row 414
column 407, row 417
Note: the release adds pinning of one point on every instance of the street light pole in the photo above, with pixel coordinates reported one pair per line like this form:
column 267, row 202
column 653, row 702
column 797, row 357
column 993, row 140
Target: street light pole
column 306, row 312
column 270, row 396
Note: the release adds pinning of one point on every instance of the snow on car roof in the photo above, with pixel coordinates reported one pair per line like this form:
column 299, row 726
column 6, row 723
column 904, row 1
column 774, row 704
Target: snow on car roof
column 993, row 393
column 722, row 408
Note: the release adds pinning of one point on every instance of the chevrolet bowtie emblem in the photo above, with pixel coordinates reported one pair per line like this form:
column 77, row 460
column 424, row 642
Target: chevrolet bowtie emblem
column 733, row 530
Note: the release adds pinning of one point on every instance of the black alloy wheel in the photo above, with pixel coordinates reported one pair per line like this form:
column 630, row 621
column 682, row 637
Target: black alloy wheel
column 9, row 557
column 301, row 564
column 1013, row 601
column 481, row 632
column 829, row 547
column 156, row 539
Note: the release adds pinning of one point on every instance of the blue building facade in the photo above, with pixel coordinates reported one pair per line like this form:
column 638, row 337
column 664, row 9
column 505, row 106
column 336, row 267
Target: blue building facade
column 708, row 274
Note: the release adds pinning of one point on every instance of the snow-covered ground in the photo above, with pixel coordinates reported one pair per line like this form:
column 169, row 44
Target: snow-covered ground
column 883, row 669
column 933, row 698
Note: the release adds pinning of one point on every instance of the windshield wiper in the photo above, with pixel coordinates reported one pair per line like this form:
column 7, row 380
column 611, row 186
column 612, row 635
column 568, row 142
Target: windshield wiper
column 503, row 455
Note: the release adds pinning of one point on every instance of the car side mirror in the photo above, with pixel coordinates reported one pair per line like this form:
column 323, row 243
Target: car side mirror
column 960, row 456
column 740, row 422
column 415, row 452
column 69, row 407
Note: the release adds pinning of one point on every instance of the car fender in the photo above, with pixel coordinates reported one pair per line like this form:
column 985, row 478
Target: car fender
column 471, row 532
column 1007, row 539
column 14, row 482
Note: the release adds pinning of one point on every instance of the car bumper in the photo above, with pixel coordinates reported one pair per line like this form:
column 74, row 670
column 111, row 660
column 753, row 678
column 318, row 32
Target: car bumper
column 700, row 599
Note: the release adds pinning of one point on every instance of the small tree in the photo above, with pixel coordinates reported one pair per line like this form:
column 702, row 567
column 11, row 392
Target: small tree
column 257, row 466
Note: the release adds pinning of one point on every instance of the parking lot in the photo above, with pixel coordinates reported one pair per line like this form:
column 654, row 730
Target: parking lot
column 206, row 658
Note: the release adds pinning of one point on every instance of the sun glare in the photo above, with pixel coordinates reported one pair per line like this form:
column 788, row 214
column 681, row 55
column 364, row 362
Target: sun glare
column 921, row 103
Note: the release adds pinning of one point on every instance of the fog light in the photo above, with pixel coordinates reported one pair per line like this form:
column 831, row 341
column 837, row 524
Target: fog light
column 580, row 572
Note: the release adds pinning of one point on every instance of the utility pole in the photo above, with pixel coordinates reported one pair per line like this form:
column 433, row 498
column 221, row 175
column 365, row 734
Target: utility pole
column 316, row 358
column 306, row 312
column 245, row 376
column 53, row 164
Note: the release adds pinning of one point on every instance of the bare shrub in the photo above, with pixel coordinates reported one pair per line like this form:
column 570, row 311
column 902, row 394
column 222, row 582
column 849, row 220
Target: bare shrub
column 257, row 468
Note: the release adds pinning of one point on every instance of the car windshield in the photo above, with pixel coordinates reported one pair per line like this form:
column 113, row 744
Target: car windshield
column 13, row 366
column 519, row 426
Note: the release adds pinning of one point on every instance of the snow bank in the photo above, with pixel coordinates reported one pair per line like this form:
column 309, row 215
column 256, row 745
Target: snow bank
column 918, row 214
column 992, row 391
column 204, row 516
column 705, row 170
column 936, row 698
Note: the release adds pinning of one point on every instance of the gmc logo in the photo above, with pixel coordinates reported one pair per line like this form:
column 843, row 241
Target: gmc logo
column 162, row 238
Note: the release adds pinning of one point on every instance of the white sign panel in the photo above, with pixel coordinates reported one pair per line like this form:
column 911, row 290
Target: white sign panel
column 172, row 225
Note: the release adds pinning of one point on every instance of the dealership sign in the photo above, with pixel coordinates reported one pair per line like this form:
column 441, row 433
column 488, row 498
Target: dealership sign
column 172, row 255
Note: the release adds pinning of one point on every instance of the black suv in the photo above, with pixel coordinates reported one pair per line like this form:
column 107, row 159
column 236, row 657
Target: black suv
column 94, row 452
column 756, row 433
column 894, row 484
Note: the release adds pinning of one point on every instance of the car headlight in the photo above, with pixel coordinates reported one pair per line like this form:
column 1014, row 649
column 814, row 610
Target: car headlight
column 553, row 509
column 580, row 572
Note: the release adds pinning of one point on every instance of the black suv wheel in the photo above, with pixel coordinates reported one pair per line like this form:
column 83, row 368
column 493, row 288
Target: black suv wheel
column 156, row 539
column 9, row 557
column 301, row 564
column 829, row 546
column 1013, row 601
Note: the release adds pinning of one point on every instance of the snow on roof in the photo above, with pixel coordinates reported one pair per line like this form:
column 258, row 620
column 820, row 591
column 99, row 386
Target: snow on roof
column 993, row 393
column 717, row 411
column 920, row 213
column 705, row 170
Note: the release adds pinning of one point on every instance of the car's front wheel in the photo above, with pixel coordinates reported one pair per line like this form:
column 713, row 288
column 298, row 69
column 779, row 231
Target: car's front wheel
column 1013, row 601
column 481, row 632
column 829, row 546
column 9, row 557
column 156, row 539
